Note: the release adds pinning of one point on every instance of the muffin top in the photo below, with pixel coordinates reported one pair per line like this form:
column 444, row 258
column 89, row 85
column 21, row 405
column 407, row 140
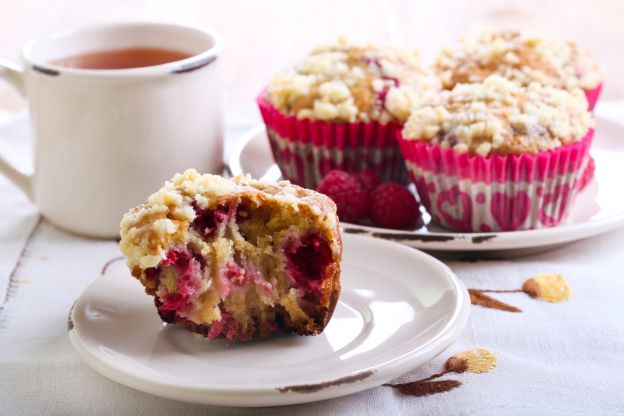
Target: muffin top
column 349, row 83
column 498, row 116
column 521, row 58
column 164, row 219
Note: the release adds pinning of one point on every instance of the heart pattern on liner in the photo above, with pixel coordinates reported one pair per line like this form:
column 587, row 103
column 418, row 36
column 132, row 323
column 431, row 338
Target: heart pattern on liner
column 455, row 208
column 492, row 207
column 561, row 196
column 510, row 212
column 499, row 193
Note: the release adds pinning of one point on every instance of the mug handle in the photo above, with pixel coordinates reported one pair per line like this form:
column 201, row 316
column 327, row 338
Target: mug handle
column 13, row 74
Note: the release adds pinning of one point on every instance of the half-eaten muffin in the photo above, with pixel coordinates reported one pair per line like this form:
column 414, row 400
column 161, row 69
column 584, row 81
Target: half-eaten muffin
column 236, row 258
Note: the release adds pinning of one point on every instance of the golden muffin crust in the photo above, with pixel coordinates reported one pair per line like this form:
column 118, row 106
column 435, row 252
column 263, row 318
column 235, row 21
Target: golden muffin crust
column 345, row 82
column 521, row 58
column 498, row 116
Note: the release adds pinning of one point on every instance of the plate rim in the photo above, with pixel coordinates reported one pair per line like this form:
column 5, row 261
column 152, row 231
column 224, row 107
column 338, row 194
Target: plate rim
column 456, row 241
column 212, row 394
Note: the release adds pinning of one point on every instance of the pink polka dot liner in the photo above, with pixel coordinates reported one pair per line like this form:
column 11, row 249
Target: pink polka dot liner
column 496, row 193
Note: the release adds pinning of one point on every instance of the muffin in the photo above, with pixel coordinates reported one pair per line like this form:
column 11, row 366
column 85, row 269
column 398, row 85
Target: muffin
column 236, row 258
column 497, row 156
column 340, row 108
column 520, row 58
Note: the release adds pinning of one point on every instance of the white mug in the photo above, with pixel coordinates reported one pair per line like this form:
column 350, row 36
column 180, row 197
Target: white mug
column 104, row 139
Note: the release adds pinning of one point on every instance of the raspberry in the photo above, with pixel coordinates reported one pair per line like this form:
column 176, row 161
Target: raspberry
column 394, row 206
column 346, row 191
column 369, row 179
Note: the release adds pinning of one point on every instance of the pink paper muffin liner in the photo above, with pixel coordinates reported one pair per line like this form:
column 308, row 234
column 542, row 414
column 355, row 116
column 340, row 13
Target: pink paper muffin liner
column 306, row 150
column 588, row 173
column 496, row 193
column 592, row 96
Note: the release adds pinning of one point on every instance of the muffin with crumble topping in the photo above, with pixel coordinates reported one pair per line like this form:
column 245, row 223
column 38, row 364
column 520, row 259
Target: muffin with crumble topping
column 236, row 258
column 340, row 108
column 521, row 58
column 498, row 156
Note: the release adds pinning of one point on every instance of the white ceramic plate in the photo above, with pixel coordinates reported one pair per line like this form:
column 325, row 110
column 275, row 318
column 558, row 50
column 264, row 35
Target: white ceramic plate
column 597, row 209
column 393, row 316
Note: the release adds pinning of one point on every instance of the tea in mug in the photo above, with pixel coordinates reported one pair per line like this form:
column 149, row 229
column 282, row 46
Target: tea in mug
column 122, row 58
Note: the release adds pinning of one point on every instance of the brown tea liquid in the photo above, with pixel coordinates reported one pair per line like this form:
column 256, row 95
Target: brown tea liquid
column 122, row 58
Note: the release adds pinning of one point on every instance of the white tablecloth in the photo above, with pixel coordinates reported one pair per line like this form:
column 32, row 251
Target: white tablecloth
column 565, row 358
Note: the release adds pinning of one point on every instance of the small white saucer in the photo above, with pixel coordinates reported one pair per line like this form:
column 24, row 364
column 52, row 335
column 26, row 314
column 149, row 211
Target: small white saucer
column 399, row 308
column 598, row 208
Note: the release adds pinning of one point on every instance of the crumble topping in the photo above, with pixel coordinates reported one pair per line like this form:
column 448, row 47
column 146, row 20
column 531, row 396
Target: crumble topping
column 150, row 229
column 501, row 117
column 349, row 83
column 520, row 58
